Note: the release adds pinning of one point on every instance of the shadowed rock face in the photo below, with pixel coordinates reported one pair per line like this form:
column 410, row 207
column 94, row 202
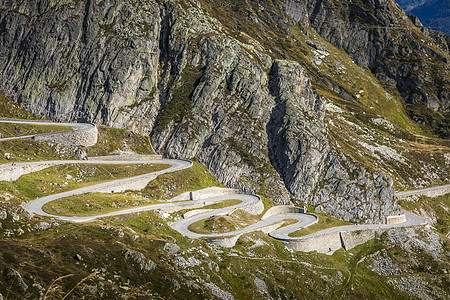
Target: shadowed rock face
column 170, row 70
column 373, row 34
column 78, row 60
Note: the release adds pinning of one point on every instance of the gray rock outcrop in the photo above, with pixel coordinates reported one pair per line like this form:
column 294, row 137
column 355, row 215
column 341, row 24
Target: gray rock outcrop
column 171, row 70
column 15, row 278
column 376, row 34
column 139, row 258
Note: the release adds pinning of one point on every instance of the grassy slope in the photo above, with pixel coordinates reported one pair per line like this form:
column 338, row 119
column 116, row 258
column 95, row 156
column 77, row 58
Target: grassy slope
column 169, row 185
column 9, row 109
column 53, row 252
column 115, row 139
column 13, row 130
column 164, row 187
column 325, row 221
column 55, row 179
column 437, row 207
column 95, row 203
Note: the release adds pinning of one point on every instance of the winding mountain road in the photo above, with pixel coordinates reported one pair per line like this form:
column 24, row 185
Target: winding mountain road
column 431, row 191
column 182, row 225
column 75, row 126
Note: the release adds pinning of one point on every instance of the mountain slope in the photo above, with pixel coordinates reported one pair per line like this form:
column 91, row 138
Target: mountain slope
column 286, row 99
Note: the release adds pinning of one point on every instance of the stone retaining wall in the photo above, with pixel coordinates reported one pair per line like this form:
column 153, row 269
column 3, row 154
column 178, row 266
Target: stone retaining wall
column 396, row 219
column 195, row 212
column 351, row 239
column 283, row 209
column 329, row 243
column 86, row 136
column 326, row 244
column 210, row 192
column 204, row 194
column 194, row 205
column 134, row 185
column 437, row 192
column 14, row 172
column 433, row 192
column 225, row 242
column 131, row 157
column 255, row 208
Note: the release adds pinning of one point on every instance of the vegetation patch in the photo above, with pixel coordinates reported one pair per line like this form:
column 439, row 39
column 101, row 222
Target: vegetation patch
column 95, row 203
column 436, row 122
column 31, row 150
column 437, row 206
column 112, row 140
column 63, row 178
column 13, row 130
column 10, row 109
column 325, row 221
column 180, row 104
column 169, row 185
column 213, row 224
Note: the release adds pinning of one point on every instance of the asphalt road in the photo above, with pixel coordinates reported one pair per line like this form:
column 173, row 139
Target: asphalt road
column 182, row 226
column 75, row 126
column 35, row 206
column 421, row 191
column 411, row 220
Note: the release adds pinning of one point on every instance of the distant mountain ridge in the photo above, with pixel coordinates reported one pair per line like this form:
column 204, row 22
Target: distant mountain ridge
column 409, row 5
column 434, row 14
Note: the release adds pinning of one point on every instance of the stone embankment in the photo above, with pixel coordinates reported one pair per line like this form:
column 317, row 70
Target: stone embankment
column 83, row 134
column 283, row 209
column 347, row 237
column 134, row 185
column 429, row 192
column 13, row 172
column 396, row 219
column 326, row 241
column 329, row 243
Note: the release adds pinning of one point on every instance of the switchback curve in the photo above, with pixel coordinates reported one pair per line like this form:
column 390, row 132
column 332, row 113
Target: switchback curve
column 182, row 225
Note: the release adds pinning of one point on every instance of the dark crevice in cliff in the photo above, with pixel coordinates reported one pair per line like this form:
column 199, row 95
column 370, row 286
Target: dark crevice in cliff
column 275, row 124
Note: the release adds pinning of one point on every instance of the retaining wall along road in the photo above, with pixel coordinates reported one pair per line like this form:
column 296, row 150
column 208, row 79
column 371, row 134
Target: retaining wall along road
column 13, row 172
column 327, row 243
column 283, row 209
column 85, row 136
column 351, row 239
column 225, row 242
column 429, row 192
column 210, row 193
column 134, row 185
column 396, row 219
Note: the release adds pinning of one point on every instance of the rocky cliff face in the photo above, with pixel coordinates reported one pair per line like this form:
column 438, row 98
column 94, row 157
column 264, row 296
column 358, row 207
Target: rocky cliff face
column 201, row 87
column 376, row 35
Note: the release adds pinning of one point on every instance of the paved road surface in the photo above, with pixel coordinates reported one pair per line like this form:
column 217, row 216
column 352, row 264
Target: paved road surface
column 75, row 126
column 422, row 191
column 303, row 220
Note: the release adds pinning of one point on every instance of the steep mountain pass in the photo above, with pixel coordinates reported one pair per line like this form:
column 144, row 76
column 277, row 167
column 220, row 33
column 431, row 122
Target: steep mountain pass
column 269, row 222
column 297, row 100
column 135, row 253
